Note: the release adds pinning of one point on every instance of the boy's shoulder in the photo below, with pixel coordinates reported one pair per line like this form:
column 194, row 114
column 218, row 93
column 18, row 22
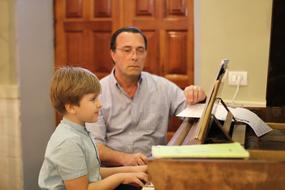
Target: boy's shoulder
column 63, row 142
column 63, row 134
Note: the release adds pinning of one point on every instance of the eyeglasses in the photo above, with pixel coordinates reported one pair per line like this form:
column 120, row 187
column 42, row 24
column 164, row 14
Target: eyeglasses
column 129, row 50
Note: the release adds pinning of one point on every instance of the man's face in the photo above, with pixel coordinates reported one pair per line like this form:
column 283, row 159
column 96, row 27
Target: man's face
column 130, row 54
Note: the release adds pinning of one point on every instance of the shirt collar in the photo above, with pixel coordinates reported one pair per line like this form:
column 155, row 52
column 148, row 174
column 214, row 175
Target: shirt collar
column 115, row 82
column 75, row 126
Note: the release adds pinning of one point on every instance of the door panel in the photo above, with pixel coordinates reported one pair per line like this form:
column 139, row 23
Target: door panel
column 102, row 8
column 152, row 60
column 83, row 31
column 74, row 47
column 74, row 9
column 101, row 59
column 175, row 63
column 144, row 7
column 176, row 7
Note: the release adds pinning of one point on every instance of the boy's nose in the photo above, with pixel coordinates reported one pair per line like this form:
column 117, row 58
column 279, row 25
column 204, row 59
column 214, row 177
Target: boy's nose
column 98, row 104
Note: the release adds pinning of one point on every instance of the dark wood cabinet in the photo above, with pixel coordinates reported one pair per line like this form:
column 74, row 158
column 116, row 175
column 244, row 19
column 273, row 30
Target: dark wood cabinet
column 275, row 96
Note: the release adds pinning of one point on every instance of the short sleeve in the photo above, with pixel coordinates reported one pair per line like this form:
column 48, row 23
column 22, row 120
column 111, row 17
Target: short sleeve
column 69, row 159
column 176, row 98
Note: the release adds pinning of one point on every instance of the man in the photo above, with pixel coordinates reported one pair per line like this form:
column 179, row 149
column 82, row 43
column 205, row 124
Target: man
column 136, row 104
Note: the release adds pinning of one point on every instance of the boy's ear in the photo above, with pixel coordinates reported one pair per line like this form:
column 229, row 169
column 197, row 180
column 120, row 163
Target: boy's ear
column 70, row 108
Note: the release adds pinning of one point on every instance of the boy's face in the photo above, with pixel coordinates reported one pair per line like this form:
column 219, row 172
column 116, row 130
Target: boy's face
column 88, row 109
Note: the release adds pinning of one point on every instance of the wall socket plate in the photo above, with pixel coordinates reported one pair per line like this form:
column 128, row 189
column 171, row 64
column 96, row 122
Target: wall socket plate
column 235, row 77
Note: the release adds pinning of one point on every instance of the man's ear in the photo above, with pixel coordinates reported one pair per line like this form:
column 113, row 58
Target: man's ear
column 70, row 108
column 112, row 56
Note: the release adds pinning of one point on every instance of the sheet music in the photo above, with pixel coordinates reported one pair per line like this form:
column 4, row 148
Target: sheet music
column 193, row 111
column 241, row 114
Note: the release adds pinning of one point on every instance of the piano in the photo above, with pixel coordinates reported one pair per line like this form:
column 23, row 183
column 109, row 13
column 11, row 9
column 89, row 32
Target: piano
column 264, row 169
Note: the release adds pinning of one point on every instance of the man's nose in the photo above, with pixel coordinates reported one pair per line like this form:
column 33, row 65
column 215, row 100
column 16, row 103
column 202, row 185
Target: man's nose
column 134, row 54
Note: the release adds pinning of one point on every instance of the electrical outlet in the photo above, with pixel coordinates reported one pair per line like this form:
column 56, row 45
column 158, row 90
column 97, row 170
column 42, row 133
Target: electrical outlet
column 235, row 77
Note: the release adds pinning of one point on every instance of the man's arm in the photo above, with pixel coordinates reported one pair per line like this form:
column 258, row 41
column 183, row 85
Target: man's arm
column 116, row 158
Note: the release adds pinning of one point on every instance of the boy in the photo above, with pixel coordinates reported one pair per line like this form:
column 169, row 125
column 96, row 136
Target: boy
column 71, row 159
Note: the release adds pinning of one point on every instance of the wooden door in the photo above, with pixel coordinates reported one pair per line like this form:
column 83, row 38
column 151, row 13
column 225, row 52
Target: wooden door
column 83, row 29
column 168, row 25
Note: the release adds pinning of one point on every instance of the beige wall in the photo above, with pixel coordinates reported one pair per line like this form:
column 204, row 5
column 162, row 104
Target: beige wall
column 7, row 31
column 240, row 31
column 10, row 137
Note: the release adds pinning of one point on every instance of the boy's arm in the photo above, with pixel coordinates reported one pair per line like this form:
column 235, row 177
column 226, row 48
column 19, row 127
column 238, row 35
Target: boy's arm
column 105, row 172
column 108, row 183
column 117, row 158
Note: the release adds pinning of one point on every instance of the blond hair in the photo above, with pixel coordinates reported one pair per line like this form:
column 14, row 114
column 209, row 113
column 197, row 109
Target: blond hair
column 70, row 84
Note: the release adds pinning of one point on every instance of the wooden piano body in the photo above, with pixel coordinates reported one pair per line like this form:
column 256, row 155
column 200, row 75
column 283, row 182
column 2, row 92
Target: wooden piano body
column 264, row 169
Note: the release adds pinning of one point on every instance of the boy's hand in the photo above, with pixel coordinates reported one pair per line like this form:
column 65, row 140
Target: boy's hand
column 142, row 168
column 136, row 179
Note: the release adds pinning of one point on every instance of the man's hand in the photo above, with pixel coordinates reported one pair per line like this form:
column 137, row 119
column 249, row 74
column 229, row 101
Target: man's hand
column 135, row 159
column 112, row 157
column 194, row 94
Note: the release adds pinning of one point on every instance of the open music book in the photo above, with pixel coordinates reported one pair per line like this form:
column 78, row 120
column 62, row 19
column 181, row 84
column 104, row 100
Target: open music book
column 195, row 132
column 222, row 150
column 241, row 114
